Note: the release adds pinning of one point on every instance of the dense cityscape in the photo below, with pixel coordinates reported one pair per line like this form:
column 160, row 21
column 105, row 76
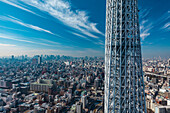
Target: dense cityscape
column 59, row 84
column 75, row 56
column 157, row 82
column 51, row 84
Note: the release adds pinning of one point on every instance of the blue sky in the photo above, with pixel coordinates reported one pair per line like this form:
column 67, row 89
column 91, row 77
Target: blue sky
column 75, row 27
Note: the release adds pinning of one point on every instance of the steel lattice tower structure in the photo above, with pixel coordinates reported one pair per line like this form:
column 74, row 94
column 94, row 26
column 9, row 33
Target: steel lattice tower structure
column 124, row 84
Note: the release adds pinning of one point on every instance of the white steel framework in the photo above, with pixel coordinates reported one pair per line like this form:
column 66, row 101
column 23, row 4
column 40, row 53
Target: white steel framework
column 124, row 84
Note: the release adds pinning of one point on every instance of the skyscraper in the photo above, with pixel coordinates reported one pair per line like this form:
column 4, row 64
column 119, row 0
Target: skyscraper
column 39, row 59
column 84, row 100
column 83, row 63
column 124, row 83
column 169, row 62
column 79, row 107
column 12, row 57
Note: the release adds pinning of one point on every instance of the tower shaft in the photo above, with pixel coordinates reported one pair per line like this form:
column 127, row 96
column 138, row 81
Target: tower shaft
column 124, row 84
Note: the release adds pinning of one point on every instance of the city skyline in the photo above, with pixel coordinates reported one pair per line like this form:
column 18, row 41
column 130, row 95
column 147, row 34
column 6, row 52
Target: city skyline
column 75, row 28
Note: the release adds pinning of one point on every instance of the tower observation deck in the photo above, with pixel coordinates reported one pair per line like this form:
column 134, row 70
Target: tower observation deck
column 124, row 83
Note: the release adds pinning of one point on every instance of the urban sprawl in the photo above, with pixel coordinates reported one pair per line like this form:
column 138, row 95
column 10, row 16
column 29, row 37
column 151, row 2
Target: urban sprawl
column 63, row 84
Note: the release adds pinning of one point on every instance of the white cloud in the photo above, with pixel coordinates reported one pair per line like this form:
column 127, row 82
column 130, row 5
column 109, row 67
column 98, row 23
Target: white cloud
column 37, row 28
column 163, row 18
column 80, row 35
column 43, row 42
column 18, row 6
column 16, row 20
column 145, row 24
column 12, row 28
column 62, row 10
column 144, row 35
column 167, row 26
column 144, row 13
column 87, row 33
column 49, row 41
column 145, row 28
column 22, row 40
column 99, row 42
column 7, row 45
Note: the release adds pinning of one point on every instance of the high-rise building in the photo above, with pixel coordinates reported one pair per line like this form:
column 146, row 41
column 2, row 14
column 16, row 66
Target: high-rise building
column 84, row 100
column 169, row 62
column 124, row 84
column 82, row 63
column 79, row 107
column 39, row 59
column 12, row 57
column 5, row 84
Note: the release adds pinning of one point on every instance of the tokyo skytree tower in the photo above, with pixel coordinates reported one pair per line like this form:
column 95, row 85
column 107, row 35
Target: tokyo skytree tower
column 124, row 83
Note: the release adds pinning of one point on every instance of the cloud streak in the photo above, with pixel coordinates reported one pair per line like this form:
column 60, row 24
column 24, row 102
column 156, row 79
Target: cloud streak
column 37, row 28
column 7, row 45
column 79, row 35
column 99, row 42
column 12, row 28
column 166, row 26
column 145, row 28
column 21, row 40
column 18, row 6
column 62, row 10
column 145, row 24
column 17, row 21
column 43, row 42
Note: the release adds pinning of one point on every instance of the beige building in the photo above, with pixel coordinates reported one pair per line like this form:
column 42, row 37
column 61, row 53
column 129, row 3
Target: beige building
column 42, row 85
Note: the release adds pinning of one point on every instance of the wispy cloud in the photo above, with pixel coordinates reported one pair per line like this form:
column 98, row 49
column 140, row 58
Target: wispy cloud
column 17, row 21
column 22, row 40
column 36, row 41
column 145, row 24
column 37, row 28
column 144, row 13
column 166, row 26
column 7, row 45
column 145, row 28
column 87, row 33
column 101, row 43
column 163, row 18
column 79, row 35
column 62, row 10
column 97, row 42
column 163, row 21
column 49, row 41
column 18, row 6
column 12, row 28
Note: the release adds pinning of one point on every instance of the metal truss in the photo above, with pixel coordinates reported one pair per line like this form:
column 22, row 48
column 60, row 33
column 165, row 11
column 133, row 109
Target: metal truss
column 124, row 84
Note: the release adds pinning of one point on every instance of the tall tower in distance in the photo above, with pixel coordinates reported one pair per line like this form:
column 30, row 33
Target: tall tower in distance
column 39, row 59
column 124, row 83
column 169, row 62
